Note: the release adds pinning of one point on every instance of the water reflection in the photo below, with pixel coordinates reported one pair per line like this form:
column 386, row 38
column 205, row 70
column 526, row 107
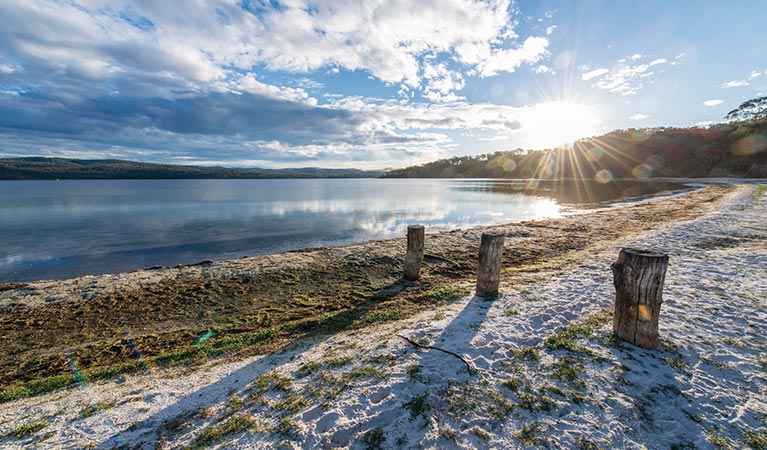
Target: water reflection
column 581, row 193
column 69, row 228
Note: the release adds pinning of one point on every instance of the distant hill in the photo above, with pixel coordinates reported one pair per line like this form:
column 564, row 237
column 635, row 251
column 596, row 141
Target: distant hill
column 60, row 168
column 730, row 149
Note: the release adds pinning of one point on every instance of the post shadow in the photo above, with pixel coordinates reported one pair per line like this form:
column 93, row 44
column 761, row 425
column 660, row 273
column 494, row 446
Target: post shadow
column 220, row 390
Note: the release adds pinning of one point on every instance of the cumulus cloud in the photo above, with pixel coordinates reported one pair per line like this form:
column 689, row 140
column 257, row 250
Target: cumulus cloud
column 140, row 77
column 638, row 116
column 508, row 60
column 388, row 39
column 713, row 102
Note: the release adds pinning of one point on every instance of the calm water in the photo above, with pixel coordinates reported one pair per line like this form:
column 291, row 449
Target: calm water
column 51, row 230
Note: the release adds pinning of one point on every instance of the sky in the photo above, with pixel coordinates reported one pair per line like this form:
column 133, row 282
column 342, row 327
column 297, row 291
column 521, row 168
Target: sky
column 369, row 84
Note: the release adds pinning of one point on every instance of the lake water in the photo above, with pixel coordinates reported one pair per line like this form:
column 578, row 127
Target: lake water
column 63, row 229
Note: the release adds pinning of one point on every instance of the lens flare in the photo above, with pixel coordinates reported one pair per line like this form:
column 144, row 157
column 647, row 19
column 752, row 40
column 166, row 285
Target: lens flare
column 643, row 170
column 604, row 176
column 594, row 154
column 142, row 361
column 749, row 145
column 82, row 380
column 209, row 334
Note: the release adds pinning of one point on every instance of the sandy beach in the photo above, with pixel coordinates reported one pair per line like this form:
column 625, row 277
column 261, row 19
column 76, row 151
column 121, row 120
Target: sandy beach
column 548, row 372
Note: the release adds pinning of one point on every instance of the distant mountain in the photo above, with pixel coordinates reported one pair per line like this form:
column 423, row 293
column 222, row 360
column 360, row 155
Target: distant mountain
column 729, row 149
column 38, row 168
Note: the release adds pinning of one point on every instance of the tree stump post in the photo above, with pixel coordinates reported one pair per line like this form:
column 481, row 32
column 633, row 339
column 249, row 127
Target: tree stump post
column 489, row 267
column 414, row 255
column 638, row 276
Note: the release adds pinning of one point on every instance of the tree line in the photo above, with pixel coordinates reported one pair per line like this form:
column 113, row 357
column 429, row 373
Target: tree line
column 39, row 168
column 736, row 148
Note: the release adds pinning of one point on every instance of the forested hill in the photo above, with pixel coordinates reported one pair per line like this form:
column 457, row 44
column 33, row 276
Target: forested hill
column 733, row 149
column 60, row 168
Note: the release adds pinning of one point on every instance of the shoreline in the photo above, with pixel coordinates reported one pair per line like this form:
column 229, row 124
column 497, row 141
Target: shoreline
column 289, row 295
column 589, row 198
column 600, row 392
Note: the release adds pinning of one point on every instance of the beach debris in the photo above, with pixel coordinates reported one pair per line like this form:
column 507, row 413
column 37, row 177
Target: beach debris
column 469, row 364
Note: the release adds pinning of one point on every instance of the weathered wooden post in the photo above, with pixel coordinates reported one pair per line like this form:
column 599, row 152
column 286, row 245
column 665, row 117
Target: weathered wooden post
column 489, row 267
column 414, row 255
column 638, row 276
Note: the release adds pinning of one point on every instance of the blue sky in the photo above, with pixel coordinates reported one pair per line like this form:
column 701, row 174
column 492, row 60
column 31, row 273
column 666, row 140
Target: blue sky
column 362, row 83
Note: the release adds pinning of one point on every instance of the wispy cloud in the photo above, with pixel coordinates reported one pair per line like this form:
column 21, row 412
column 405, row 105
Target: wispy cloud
column 627, row 77
column 637, row 117
column 713, row 102
column 594, row 73
column 734, row 83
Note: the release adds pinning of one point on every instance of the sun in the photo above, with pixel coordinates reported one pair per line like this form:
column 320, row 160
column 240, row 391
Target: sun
column 558, row 123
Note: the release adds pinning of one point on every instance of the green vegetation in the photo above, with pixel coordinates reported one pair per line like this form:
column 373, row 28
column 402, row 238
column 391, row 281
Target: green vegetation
column 677, row 364
column 528, row 353
column 374, row 439
column 725, row 149
column 530, row 434
column 760, row 190
column 447, row 292
column 719, row 442
column 565, row 338
column 757, row 440
column 232, row 425
column 414, row 373
column 39, row 168
column 96, row 407
column 25, row 430
column 418, row 406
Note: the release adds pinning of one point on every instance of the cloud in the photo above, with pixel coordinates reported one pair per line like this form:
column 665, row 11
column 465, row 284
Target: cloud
column 677, row 59
column 734, row 83
column 638, row 117
column 594, row 74
column 713, row 102
column 99, row 39
column 754, row 74
column 543, row 69
column 627, row 77
column 508, row 60
column 140, row 77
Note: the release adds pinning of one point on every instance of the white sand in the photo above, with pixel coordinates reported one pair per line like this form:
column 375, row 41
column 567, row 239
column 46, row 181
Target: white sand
column 707, row 381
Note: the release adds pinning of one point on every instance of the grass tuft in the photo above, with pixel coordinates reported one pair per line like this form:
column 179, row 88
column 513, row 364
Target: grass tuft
column 565, row 339
column 25, row 430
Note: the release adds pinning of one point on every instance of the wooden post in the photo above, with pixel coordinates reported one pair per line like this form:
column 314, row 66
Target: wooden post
column 638, row 276
column 414, row 256
column 489, row 267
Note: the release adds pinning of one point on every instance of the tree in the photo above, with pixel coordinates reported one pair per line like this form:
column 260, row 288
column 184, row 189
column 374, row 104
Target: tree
column 753, row 109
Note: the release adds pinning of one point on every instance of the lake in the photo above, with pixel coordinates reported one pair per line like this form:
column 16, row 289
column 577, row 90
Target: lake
column 68, row 228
